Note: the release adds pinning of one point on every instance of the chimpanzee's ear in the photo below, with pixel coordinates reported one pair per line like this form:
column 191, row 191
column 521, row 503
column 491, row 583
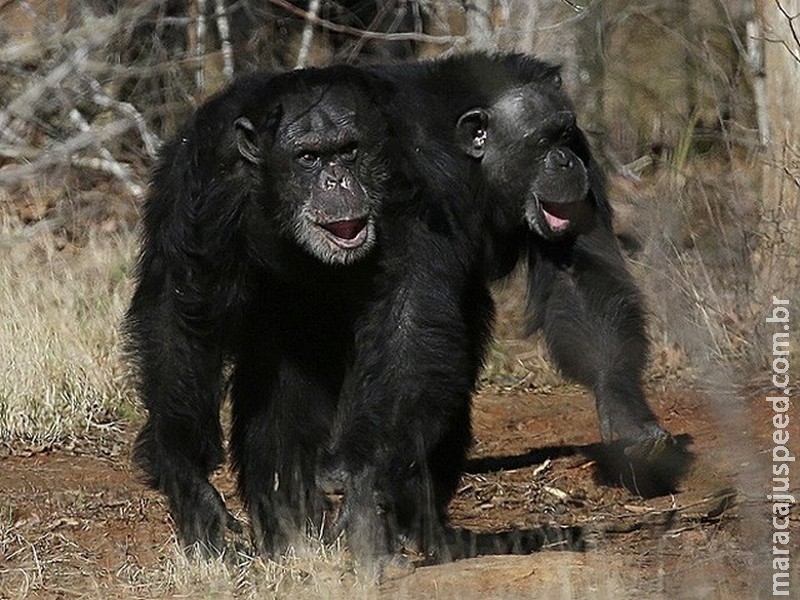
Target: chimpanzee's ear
column 247, row 140
column 471, row 132
column 247, row 135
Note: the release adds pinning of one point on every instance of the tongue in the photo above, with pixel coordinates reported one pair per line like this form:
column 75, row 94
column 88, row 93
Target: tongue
column 557, row 215
column 346, row 230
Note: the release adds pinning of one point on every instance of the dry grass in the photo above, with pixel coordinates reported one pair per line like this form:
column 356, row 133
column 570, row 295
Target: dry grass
column 694, row 215
column 46, row 563
column 60, row 370
column 311, row 569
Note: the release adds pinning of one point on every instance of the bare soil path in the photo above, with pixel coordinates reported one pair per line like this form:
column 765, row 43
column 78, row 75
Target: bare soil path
column 76, row 521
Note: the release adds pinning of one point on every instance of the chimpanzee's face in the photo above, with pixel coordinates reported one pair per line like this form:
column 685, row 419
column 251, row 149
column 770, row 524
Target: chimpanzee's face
column 321, row 155
column 527, row 142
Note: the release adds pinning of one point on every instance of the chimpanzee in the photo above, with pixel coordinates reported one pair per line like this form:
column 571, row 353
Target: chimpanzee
column 258, row 250
column 495, row 148
column 580, row 292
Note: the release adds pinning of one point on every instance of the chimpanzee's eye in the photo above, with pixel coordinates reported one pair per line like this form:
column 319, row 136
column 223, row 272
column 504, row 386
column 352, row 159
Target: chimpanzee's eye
column 307, row 159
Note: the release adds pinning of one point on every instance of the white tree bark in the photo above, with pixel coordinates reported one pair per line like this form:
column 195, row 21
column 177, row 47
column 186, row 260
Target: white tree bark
column 308, row 35
column 224, row 30
column 778, row 253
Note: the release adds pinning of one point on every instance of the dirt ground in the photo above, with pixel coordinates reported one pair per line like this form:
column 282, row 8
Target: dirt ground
column 76, row 522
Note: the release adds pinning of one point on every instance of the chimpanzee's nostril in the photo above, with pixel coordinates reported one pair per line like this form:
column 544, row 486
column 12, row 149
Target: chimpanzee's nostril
column 561, row 159
column 329, row 181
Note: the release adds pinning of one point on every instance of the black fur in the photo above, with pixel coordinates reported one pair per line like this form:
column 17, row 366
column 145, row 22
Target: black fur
column 246, row 259
column 360, row 366
column 403, row 425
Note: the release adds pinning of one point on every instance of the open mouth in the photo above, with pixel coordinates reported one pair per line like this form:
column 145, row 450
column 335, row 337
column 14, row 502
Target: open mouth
column 559, row 216
column 350, row 233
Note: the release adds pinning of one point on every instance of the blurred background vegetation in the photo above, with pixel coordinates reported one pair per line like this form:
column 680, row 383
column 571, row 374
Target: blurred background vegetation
column 692, row 106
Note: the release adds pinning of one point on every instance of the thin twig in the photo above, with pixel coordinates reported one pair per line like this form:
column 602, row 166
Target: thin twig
column 107, row 162
column 151, row 140
column 200, row 44
column 308, row 34
column 391, row 37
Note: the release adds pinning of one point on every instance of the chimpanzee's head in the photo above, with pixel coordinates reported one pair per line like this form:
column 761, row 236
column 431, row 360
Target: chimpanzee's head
column 533, row 156
column 318, row 149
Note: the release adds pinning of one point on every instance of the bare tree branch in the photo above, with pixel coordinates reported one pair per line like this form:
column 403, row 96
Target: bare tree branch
column 223, row 27
column 112, row 167
column 479, row 24
column 308, row 34
column 20, row 152
column 755, row 60
column 151, row 140
column 63, row 152
column 107, row 162
column 790, row 20
column 200, row 44
column 22, row 106
column 573, row 6
column 391, row 37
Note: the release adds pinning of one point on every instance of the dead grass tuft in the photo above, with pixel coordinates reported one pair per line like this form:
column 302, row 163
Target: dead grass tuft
column 60, row 370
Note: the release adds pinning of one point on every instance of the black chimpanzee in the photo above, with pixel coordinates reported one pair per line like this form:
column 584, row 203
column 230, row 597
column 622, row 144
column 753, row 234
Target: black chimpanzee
column 258, row 249
column 495, row 148
column 580, row 292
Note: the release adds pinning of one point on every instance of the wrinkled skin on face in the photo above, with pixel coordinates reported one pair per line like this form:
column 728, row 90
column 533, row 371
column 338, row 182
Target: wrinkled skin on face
column 320, row 154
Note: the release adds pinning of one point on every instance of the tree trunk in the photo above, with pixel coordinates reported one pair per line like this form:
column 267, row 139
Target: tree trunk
column 590, row 66
column 777, row 258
